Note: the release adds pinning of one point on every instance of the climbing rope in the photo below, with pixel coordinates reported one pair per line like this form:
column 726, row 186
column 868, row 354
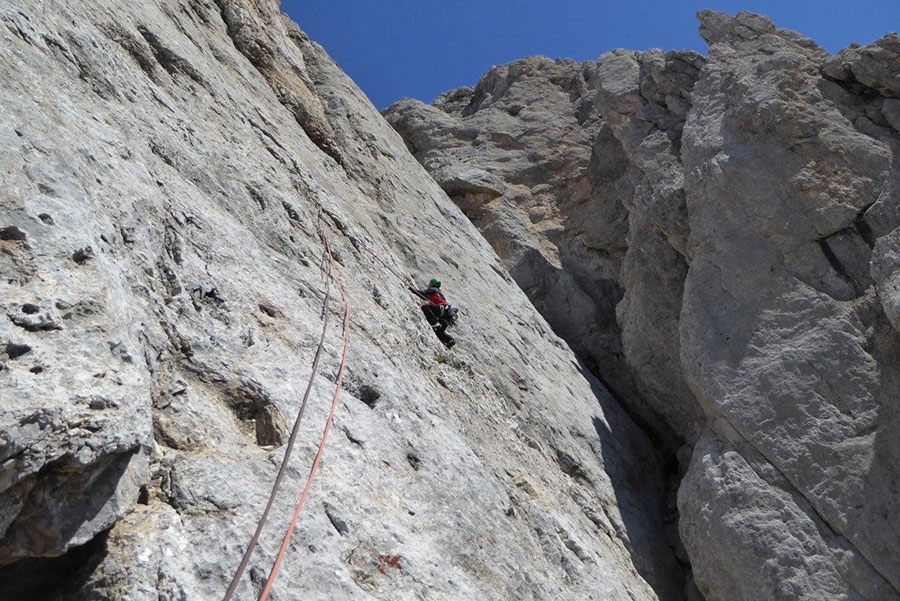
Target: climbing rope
column 332, row 269
column 328, row 423
column 406, row 280
column 332, row 272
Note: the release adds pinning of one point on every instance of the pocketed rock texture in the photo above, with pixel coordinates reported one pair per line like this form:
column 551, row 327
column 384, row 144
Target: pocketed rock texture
column 741, row 213
column 163, row 288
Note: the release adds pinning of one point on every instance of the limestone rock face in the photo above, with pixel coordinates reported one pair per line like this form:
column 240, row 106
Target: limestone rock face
column 752, row 212
column 163, row 166
column 645, row 98
column 534, row 157
column 791, row 181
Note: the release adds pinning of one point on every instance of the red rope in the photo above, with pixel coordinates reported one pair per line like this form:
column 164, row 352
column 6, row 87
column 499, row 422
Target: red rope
column 328, row 423
column 403, row 279
column 245, row 560
column 332, row 271
column 406, row 280
column 287, row 452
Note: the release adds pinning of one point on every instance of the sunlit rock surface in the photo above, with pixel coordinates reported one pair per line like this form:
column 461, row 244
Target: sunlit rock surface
column 163, row 287
column 740, row 211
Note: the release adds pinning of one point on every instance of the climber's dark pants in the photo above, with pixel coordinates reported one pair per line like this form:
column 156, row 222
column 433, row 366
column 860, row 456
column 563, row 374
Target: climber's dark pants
column 433, row 315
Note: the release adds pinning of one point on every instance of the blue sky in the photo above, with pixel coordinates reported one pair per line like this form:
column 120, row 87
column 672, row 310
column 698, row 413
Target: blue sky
column 421, row 48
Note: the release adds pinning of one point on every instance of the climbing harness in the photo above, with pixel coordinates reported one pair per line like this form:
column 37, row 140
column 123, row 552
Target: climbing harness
column 451, row 313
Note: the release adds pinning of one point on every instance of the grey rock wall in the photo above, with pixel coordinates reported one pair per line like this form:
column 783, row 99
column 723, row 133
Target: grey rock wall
column 572, row 172
column 747, row 206
column 783, row 333
column 163, row 296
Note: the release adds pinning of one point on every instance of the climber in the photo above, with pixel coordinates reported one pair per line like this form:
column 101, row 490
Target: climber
column 438, row 311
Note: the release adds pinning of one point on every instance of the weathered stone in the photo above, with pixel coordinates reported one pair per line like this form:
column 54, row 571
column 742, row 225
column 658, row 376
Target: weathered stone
column 259, row 35
column 730, row 224
column 746, row 505
column 781, row 331
column 886, row 271
column 647, row 116
column 533, row 156
column 759, row 186
column 868, row 67
column 190, row 146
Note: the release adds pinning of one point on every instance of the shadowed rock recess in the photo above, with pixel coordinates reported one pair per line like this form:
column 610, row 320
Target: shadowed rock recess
column 713, row 239
column 717, row 239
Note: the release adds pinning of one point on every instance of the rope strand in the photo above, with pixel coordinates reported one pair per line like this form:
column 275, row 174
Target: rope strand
column 406, row 280
column 328, row 423
column 288, row 449
column 331, row 272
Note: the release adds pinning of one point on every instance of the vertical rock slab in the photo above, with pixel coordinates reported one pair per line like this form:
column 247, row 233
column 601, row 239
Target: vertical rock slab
column 782, row 333
column 768, row 542
column 164, row 301
column 645, row 98
column 75, row 421
column 572, row 173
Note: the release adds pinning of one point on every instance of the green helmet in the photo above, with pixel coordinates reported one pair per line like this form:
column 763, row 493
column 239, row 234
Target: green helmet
column 434, row 283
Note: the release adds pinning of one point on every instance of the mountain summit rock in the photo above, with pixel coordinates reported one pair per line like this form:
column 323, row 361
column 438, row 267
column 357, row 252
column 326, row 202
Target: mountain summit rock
column 716, row 238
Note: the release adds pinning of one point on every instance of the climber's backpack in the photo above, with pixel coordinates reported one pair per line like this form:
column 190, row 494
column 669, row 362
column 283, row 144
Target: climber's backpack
column 450, row 315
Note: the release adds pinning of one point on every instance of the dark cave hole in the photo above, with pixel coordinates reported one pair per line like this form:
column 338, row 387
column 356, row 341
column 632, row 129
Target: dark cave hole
column 53, row 578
